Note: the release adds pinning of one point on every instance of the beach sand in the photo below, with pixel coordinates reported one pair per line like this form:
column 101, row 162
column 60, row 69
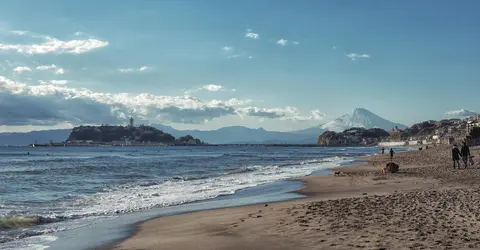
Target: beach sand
column 427, row 205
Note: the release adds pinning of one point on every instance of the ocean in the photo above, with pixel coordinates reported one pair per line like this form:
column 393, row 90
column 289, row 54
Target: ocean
column 48, row 191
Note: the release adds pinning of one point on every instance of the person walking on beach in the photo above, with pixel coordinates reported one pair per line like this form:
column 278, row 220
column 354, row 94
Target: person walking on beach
column 383, row 151
column 465, row 152
column 391, row 154
column 456, row 156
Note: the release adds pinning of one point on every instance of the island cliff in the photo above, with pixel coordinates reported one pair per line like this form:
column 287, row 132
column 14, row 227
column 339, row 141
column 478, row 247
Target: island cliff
column 352, row 137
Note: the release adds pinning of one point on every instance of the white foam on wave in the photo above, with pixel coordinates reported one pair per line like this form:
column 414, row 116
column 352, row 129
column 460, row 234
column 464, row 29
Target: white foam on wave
column 31, row 243
column 130, row 198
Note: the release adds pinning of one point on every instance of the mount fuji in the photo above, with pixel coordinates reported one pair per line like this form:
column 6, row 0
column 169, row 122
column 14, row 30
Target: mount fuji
column 359, row 117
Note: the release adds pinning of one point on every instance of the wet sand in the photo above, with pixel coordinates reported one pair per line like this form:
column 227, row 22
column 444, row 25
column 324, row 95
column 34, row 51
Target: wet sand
column 427, row 205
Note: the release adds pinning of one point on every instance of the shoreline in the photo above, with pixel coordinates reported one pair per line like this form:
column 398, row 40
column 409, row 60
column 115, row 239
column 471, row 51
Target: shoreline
column 134, row 228
column 423, row 174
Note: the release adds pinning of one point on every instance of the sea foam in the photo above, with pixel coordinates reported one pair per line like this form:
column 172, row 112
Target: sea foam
column 150, row 194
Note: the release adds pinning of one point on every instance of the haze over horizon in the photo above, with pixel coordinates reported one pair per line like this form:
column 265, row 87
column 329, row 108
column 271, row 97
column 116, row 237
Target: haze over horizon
column 280, row 65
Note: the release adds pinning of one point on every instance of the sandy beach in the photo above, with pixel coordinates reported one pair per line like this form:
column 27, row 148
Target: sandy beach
column 426, row 205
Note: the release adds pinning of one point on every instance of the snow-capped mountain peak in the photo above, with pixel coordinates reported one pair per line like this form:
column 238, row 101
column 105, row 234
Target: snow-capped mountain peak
column 462, row 113
column 360, row 117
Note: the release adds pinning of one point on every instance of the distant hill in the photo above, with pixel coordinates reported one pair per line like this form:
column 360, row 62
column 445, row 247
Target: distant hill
column 310, row 131
column 359, row 118
column 240, row 134
column 43, row 136
column 353, row 137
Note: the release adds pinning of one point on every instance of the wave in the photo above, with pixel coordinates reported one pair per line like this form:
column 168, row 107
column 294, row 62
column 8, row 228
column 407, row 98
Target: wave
column 15, row 222
column 175, row 190
column 246, row 155
column 178, row 190
column 57, row 170
column 147, row 194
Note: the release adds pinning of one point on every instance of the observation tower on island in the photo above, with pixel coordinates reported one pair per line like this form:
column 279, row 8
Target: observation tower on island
column 131, row 122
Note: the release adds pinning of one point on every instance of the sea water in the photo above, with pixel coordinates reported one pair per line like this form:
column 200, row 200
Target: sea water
column 48, row 190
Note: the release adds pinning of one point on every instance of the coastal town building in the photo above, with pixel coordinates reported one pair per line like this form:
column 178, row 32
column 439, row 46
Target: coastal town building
column 448, row 131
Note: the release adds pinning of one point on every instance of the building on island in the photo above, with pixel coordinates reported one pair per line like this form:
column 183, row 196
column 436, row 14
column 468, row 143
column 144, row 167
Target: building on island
column 131, row 122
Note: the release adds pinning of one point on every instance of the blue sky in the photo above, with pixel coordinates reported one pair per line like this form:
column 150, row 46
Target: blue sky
column 281, row 65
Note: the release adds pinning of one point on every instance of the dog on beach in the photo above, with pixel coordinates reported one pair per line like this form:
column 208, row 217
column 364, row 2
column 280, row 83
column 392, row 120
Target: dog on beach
column 338, row 173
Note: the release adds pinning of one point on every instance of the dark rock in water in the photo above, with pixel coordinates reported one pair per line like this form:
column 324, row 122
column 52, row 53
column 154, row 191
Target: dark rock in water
column 392, row 167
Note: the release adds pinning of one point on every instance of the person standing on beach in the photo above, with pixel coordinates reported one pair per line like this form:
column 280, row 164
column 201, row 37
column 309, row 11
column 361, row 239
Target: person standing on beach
column 465, row 152
column 456, row 156
column 383, row 151
column 391, row 154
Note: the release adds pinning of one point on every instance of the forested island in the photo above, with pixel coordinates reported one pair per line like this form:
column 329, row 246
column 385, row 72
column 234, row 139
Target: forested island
column 126, row 135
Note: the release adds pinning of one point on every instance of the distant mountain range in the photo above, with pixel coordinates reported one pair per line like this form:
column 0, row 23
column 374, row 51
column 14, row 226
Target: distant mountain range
column 242, row 135
column 232, row 135
column 43, row 136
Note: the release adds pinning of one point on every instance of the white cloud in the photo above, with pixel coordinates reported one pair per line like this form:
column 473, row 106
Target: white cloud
column 56, row 70
column 79, row 33
column 354, row 56
column 271, row 113
column 252, row 35
column 287, row 113
column 143, row 68
column 59, row 71
column 46, row 67
column 462, row 113
column 80, row 105
column 52, row 102
column 227, row 48
column 316, row 115
column 296, row 43
column 212, row 87
column 209, row 88
column 54, row 82
column 21, row 69
column 334, row 47
column 126, row 70
column 19, row 32
column 282, row 42
column 235, row 56
column 130, row 70
column 53, row 45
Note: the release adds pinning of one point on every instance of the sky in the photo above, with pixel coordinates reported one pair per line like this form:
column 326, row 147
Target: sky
column 205, row 64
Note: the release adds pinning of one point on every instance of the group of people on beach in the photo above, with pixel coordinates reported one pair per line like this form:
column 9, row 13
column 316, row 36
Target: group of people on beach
column 391, row 153
column 463, row 153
